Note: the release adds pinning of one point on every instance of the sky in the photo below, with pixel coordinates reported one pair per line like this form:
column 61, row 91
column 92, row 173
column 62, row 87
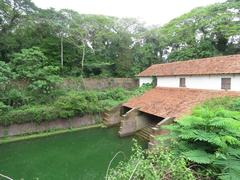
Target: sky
column 152, row 12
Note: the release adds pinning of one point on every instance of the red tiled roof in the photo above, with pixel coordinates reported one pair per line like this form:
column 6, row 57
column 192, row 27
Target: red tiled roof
column 214, row 65
column 173, row 102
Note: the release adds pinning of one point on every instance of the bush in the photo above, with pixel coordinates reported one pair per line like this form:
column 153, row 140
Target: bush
column 35, row 114
column 27, row 62
column 3, row 108
column 79, row 102
column 6, row 75
column 16, row 98
column 210, row 136
column 31, row 65
column 45, row 80
column 66, row 105
column 155, row 164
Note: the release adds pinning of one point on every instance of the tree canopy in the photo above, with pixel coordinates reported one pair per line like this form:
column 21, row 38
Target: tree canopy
column 97, row 45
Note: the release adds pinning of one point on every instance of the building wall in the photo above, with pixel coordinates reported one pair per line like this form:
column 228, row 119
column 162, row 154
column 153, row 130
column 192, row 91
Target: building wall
column 145, row 80
column 211, row 82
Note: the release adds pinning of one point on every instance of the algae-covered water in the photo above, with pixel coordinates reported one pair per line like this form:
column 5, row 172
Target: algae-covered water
column 76, row 155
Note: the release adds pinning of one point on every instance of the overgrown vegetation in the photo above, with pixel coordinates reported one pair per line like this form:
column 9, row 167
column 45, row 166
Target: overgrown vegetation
column 19, row 108
column 94, row 45
column 209, row 138
column 29, row 92
column 156, row 164
column 204, row 145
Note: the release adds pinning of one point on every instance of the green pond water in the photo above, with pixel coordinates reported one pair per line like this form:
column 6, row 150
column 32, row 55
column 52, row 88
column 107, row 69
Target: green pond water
column 76, row 155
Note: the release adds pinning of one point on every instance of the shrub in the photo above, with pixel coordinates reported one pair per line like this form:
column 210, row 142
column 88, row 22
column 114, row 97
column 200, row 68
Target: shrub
column 155, row 164
column 64, row 105
column 27, row 62
column 78, row 102
column 45, row 80
column 210, row 136
column 16, row 98
column 30, row 64
column 35, row 114
column 6, row 75
column 3, row 108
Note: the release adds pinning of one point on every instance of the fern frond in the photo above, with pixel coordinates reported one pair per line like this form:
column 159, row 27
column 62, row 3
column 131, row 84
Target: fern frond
column 233, row 152
column 231, row 175
column 225, row 123
column 230, row 140
column 201, row 135
column 203, row 112
column 231, row 168
column 199, row 156
column 190, row 121
column 227, row 114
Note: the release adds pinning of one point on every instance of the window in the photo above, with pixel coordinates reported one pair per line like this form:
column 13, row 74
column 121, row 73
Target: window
column 182, row 82
column 154, row 81
column 226, row 83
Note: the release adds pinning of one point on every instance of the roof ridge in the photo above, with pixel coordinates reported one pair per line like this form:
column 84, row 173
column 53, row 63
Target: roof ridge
column 199, row 59
column 229, row 64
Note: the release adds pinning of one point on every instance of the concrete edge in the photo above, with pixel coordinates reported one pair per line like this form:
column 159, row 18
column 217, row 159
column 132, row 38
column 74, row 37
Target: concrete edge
column 5, row 140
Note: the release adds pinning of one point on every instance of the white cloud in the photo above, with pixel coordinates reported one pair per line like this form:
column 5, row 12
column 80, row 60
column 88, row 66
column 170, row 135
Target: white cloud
column 150, row 11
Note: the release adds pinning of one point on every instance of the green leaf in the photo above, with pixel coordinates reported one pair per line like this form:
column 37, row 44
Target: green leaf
column 199, row 156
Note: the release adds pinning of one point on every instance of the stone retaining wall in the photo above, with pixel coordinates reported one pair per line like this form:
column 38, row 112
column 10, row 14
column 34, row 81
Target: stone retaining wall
column 27, row 128
column 97, row 84
column 112, row 117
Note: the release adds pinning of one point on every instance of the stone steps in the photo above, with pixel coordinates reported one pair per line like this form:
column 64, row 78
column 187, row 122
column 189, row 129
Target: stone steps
column 106, row 118
column 145, row 133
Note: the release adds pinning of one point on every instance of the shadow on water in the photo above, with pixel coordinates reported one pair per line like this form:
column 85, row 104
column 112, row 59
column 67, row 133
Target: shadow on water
column 83, row 155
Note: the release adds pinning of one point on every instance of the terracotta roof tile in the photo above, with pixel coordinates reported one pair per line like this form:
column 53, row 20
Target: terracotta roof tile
column 173, row 102
column 214, row 65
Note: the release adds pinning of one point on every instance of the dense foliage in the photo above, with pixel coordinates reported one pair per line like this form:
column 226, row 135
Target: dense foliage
column 204, row 32
column 6, row 75
column 32, row 66
column 95, row 45
column 156, row 164
column 210, row 138
column 20, row 107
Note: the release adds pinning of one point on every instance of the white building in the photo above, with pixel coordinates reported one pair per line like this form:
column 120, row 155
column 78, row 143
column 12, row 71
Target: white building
column 217, row 73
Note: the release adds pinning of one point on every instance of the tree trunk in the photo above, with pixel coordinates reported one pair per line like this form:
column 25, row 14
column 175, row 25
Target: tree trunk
column 83, row 57
column 82, row 65
column 62, row 52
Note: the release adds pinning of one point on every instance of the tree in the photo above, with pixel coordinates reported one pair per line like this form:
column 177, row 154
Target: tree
column 215, row 26
column 32, row 66
column 11, row 13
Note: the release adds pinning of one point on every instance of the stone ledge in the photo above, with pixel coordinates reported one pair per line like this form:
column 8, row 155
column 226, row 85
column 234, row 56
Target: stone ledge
column 29, row 128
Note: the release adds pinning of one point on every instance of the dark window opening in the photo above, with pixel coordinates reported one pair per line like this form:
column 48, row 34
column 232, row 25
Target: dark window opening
column 182, row 82
column 154, row 81
column 226, row 83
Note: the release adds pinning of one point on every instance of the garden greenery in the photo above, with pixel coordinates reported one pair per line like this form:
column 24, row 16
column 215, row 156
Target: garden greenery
column 35, row 96
column 19, row 108
column 32, row 66
column 159, row 163
column 209, row 138
column 6, row 75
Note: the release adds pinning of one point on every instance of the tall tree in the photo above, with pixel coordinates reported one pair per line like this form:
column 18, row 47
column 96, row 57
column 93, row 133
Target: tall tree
column 11, row 13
